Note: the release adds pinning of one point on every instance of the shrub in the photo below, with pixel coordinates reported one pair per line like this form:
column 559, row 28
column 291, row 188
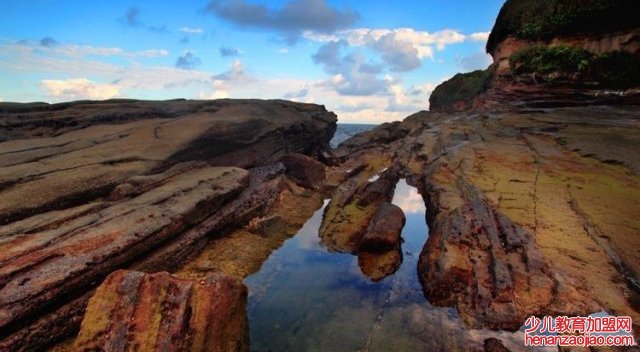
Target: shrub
column 541, row 59
column 616, row 69
column 545, row 19
column 462, row 87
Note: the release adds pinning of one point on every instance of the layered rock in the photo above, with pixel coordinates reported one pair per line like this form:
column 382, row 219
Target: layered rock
column 134, row 311
column 305, row 171
column 352, row 207
column 67, row 154
column 529, row 212
column 580, row 54
column 92, row 187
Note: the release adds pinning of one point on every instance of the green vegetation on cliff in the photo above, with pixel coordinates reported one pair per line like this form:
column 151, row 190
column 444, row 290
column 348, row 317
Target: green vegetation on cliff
column 461, row 89
column 545, row 19
column 616, row 69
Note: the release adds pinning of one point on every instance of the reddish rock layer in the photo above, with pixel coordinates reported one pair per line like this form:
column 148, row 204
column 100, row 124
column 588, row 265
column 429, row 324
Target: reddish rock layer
column 133, row 311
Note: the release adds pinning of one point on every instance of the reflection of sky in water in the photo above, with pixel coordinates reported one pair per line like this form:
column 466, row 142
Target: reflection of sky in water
column 307, row 299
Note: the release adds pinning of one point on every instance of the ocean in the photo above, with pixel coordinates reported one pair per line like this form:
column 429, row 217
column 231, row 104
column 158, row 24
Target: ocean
column 348, row 130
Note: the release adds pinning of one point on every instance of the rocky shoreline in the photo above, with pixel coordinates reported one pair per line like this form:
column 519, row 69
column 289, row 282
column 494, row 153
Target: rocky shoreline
column 89, row 188
column 530, row 213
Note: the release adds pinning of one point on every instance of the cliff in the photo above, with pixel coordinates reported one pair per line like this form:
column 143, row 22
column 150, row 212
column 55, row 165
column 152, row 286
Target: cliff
column 554, row 53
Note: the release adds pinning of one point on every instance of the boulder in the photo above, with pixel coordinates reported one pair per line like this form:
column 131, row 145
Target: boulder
column 384, row 229
column 305, row 171
column 134, row 311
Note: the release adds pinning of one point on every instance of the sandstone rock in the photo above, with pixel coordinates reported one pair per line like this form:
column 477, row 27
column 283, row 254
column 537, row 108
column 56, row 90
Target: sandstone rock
column 384, row 229
column 305, row 171
column 42, row 269
column 378, row 264
column 63, row 155
column 91, row 187
column 351, row 209
column 134, row 311
column 529, row 213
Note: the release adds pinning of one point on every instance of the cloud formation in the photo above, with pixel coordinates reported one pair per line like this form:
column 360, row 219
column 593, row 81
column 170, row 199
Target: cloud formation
column 294, row 18
column 188, row 61
column 477, row 61
column 79, row 88
column 226, row 51
column 191, row 30
column 48, row 42
column 402, row 49
column 352, row 74
column 296, row 94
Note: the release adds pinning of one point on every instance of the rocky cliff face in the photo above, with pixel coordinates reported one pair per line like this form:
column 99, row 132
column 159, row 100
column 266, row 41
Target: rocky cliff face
column 550, row 54
column 91, row 187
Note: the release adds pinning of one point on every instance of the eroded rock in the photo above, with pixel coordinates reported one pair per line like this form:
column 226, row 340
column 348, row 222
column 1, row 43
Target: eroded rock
column 158, row 312
column 351, row 209
column 91, row 187
column 305, row 171
column 529, row 212
column 384, row 229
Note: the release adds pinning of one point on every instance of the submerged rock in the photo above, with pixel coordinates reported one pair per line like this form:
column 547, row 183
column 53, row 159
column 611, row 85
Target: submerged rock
column 353, row 205
column 377, row 265
column 134, row 311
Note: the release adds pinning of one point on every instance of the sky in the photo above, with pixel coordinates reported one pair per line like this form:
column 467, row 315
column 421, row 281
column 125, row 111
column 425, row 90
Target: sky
column 368, row 61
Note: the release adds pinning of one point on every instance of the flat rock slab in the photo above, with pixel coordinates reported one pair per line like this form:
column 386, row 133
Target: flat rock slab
column 134, row 311
column 61, row 155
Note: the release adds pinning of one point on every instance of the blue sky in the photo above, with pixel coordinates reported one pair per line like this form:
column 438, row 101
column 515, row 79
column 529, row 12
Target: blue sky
column 369, row 61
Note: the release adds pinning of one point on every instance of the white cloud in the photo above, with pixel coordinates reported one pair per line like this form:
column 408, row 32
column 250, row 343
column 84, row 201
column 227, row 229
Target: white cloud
column 409, row 201
column 79, row 88
column 421, row 41
column 479, row 36
column 94, row 78
column 81, row 51
column 191, row 30
column 401, row 49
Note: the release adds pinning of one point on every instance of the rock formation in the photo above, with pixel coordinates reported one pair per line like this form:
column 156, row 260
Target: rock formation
column 384, row 229
column 91, row 187
column 530, row 213
column 552, row 54
column 134, row 311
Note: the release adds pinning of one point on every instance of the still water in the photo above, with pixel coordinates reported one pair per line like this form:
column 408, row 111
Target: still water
column 305, row 298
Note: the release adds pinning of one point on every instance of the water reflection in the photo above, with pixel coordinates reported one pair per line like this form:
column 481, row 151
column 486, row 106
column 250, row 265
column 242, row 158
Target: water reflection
column 305, row 298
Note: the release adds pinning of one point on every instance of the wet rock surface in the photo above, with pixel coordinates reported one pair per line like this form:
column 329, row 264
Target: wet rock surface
column 134, row 311
column 384, row 229
column 88, row 188
column 530, row 213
